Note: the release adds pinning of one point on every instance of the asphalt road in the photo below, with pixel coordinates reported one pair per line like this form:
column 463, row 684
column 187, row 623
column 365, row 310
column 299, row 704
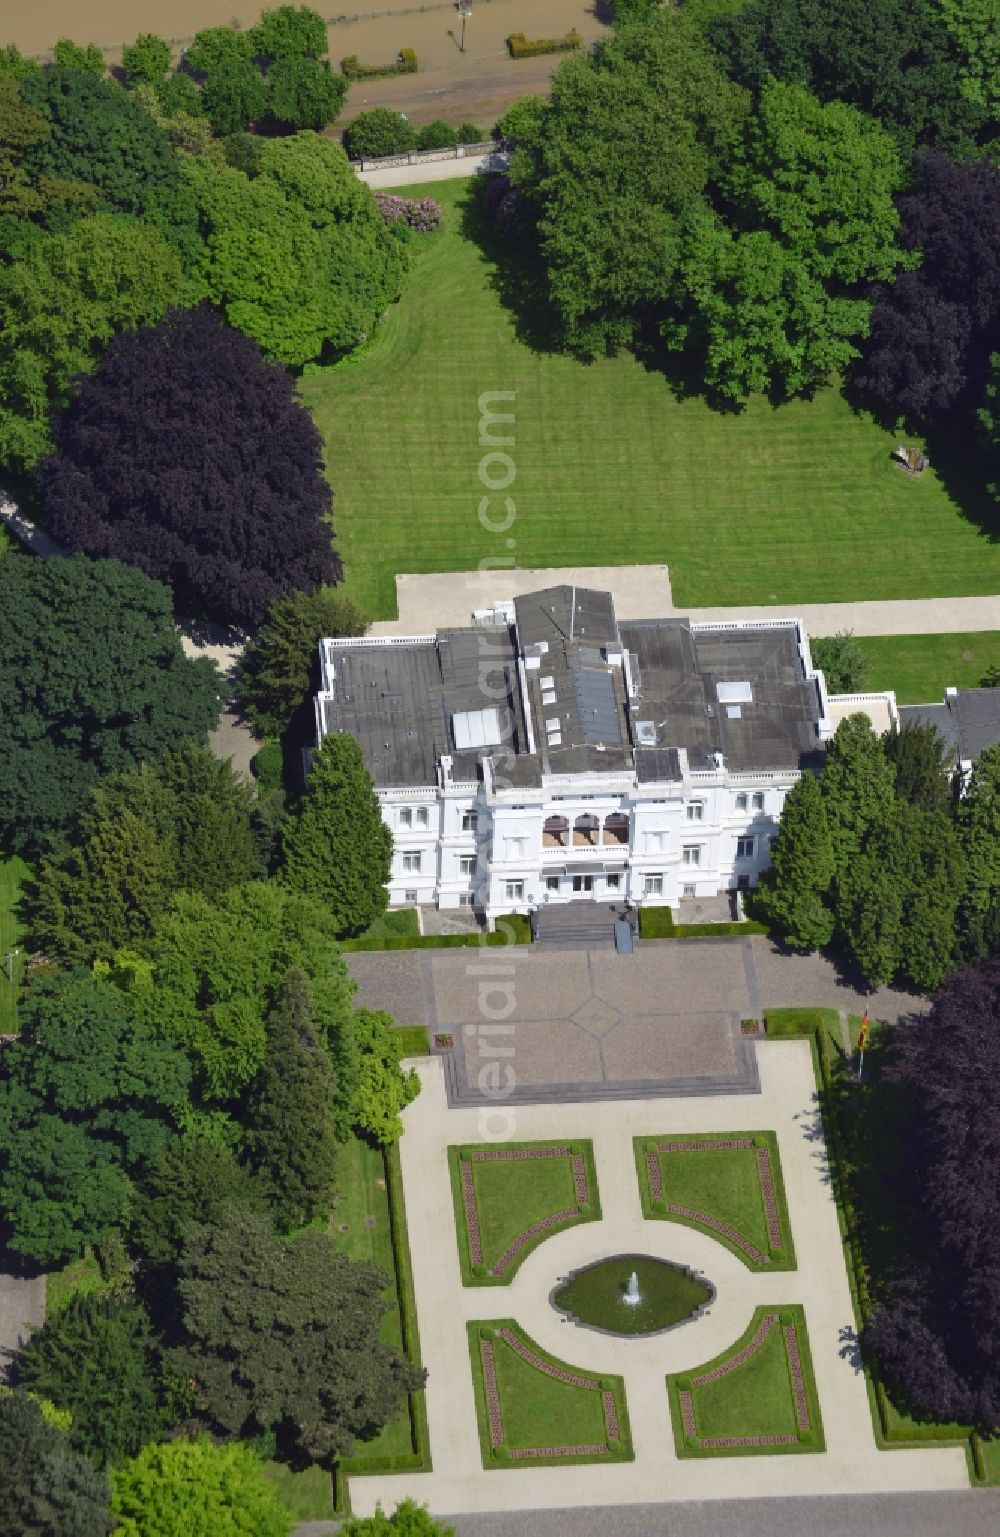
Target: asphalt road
column 976, row 1514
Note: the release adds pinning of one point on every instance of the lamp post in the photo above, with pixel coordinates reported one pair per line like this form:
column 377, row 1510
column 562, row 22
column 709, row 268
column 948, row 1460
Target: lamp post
column 465, row 13
column 11, row 957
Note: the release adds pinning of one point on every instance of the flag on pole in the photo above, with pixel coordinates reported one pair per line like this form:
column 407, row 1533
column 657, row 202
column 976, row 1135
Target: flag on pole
column 863, row 1037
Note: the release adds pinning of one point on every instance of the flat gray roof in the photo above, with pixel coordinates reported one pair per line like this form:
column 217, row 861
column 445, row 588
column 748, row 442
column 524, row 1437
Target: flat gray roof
column 969, row 720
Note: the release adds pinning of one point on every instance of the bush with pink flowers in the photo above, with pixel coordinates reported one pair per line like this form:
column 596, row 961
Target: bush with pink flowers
column 419, row 213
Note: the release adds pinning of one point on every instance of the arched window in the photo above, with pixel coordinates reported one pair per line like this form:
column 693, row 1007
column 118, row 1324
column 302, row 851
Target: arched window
column 616, row 828
column 555, row 833
column 586, row 830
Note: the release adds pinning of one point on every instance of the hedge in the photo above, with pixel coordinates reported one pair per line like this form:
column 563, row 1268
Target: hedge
column 268, row 766
column 517, row 922
column 406, row 64
column 658, row 923
column 522, row 47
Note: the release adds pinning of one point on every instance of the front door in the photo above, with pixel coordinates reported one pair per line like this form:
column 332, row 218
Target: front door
column 583, row 883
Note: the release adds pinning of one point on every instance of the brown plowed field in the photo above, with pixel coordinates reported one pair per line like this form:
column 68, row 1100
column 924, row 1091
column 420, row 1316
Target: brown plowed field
column 475, row 85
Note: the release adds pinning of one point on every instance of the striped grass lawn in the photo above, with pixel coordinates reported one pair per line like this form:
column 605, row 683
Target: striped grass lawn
column 921, row 667
column 780, row 505
column 12, row 873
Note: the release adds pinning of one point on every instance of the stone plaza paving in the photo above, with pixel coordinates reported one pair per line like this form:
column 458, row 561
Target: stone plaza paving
column 785, row 1102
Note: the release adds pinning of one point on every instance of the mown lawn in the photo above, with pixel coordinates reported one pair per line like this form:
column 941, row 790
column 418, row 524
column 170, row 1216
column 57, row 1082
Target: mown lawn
column 511, row 1196
column 12, row 872
column 771, row 505
column 920, row 667
column 721, row 1184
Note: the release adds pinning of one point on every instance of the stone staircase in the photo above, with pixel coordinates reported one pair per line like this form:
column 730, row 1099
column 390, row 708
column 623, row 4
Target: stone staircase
column 577, row 926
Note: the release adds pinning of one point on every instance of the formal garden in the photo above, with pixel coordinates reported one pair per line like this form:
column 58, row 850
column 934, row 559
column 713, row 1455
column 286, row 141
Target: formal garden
column 756, row 1397
column 728, row 1185
column 534, row 1409
column 509, row 1199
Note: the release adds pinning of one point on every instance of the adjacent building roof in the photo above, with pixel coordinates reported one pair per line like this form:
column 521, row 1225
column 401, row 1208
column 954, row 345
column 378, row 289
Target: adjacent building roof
column 968, row 719
column 569, row 691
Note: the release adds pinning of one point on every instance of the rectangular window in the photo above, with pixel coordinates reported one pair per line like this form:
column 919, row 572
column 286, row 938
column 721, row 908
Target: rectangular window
column 758, row 801
column 743, row 882
column 411, row 864
column 406, row 817
column 421, row 816
column 410, row 896
column 772, row 842
column 744, row 848
column 470, row 821
column 614, row 882
column 695, row 811
column 467, row 864
column 742, row 802
column 465, row 899
column 689, row 891
column 552, row 883
column 515, row 891
column 653, row 886
column 691, row 853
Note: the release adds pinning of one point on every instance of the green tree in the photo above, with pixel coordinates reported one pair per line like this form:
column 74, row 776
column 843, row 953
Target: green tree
column 794, row 897
column 85, row 57
column 193, row 1180
column 235, row 95
column 290, row 1137
column 298, row 258
column 780, row 301
column 974, row 26
column 180, row 822
column 216, row 966
column 437, row 135
column 146, row 60
column 14, row 65
column 872, row 893
column 407, row 1520
column 215, row 46
column 844, row 663
column 613, row 224
column 929, row 942
column 384, row 1090
column 94, row 681
column 922, row 766
column 290, row 32
column 283, row 1337
column 47, row 1489
column 20, row 127
column 977, row 818
column 101, row 135
column 378, row 131
column 279, row 668
column 335, row 845
column 305, row 93
column 858, row 789
column 63, row 301
column 89, row 1097
column 196, row 1489
column 94, row 1357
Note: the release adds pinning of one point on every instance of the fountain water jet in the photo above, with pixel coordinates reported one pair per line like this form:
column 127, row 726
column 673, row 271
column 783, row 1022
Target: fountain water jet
column 632, row 1295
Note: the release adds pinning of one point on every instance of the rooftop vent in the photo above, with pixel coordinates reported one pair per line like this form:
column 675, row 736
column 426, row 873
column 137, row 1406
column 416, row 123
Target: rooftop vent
column 645, row 733
column 734, row 711
column 476, row 728
column 734, row 693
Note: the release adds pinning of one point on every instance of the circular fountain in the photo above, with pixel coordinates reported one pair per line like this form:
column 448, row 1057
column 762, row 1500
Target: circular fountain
column 632, row 1294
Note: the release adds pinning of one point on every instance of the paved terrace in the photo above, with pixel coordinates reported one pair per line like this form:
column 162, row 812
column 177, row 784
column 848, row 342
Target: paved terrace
column 590, row 1024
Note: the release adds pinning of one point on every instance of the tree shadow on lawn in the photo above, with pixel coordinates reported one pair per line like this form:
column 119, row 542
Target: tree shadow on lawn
column 955, row 451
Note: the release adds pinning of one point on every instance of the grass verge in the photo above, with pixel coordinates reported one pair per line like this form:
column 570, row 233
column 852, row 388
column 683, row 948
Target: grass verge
column 541, row 1414
column 723, row 1183
column 512, row 1196
column 920, row 667
column 13, row 872
column 752, row 1401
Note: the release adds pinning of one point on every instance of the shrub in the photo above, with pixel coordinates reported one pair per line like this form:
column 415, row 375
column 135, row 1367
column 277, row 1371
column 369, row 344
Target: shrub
column 406, row 64
column 379, row 131
column 616, row 1446
column 421, row 213
column 269, row 766
column 437, row 135
column 469, row 133
column 522, row 47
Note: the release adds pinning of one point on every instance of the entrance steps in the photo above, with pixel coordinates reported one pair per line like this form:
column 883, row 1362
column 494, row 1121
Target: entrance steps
column 577, row 926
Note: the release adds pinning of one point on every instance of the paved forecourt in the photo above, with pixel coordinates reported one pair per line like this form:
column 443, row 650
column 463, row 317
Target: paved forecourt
column 786, row 1103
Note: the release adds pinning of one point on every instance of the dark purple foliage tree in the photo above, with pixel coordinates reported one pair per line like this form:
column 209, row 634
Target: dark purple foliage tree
column 939, row 1343
column 187, row 455
column 934, row 329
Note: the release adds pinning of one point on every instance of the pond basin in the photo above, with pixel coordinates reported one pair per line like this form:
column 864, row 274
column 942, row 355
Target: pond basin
column 669, row 1294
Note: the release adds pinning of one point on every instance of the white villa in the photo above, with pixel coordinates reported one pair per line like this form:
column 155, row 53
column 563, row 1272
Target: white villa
column 548, row 753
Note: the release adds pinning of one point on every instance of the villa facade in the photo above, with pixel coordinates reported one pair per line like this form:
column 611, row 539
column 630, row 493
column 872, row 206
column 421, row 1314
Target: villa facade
column 548, row 753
